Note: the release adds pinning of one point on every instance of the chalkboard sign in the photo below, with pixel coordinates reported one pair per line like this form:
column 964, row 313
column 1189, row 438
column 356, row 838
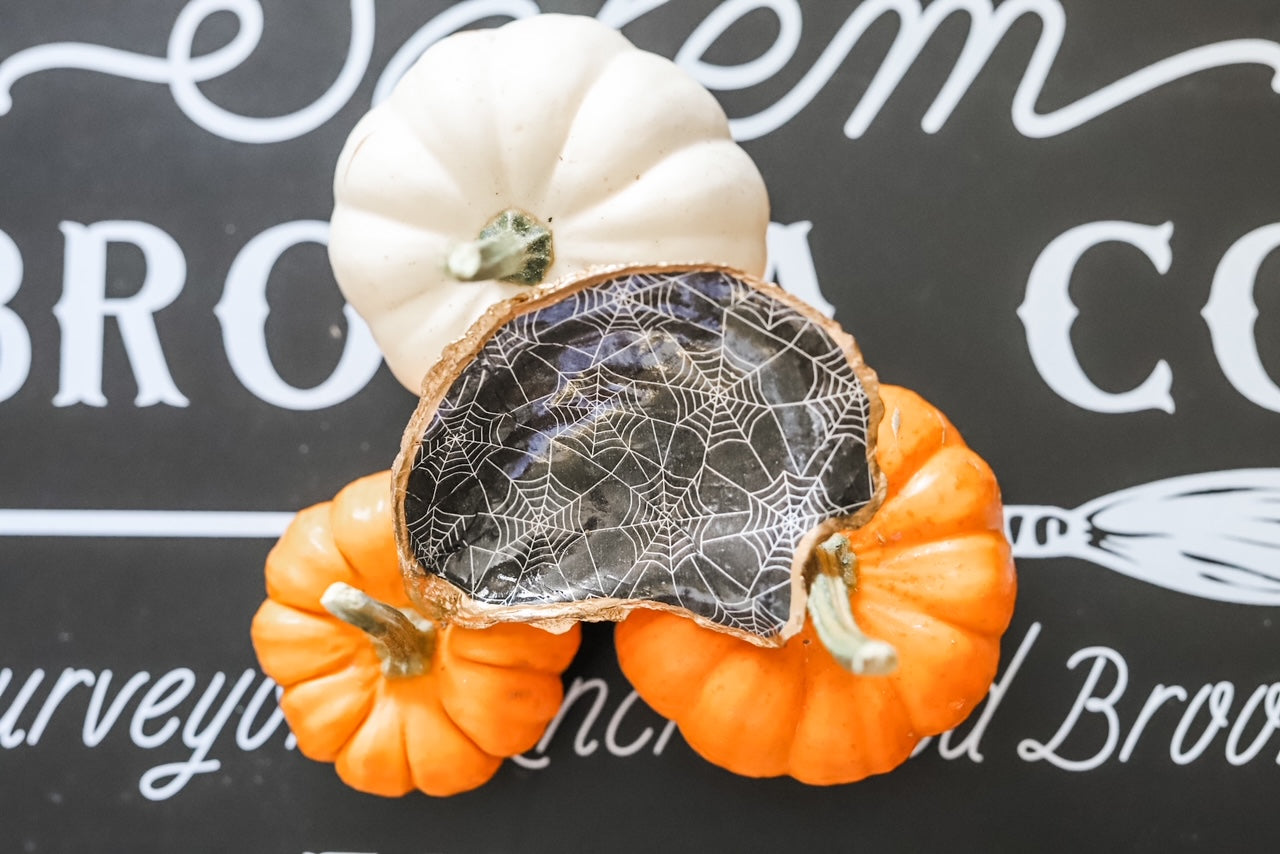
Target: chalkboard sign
column 1056, row 219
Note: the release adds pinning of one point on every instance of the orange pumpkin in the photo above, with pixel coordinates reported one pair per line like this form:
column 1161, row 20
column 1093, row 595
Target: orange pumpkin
column 394, row 701
column 932, row 582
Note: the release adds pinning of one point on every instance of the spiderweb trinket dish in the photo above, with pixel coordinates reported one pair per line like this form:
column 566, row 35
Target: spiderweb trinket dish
column 671, row 438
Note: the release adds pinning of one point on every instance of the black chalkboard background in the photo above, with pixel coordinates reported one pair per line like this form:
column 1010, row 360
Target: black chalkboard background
column 924, row 242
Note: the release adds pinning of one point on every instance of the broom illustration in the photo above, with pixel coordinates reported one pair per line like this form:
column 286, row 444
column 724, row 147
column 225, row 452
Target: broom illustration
column 1215, row 535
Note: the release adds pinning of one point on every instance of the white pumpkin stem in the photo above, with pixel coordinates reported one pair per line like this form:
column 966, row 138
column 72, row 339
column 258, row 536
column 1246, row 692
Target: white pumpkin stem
column 513, row 247
column 836, row 578
column 404, row 642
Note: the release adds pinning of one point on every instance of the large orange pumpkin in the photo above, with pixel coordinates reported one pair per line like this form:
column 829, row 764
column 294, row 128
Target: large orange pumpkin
column 395, row 702
column 932, row 581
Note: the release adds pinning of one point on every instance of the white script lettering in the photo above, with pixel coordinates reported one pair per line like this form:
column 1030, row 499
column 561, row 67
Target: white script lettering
column 584, row 744
column 917, row 25
column 1086, row 701
column 163, row 703
column 1206, row 716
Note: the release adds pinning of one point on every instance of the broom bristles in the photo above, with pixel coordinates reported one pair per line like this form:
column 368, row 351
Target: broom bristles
column 1214, row 535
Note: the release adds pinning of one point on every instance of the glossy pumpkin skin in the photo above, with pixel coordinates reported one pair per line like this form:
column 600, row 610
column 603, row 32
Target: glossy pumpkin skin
column 485, row 695
column 621, row 154
column 935, row 579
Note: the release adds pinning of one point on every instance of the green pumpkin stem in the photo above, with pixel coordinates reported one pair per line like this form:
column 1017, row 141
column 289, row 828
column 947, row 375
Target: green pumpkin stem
column 404, row 642
column 514, row 247
column 835, row 579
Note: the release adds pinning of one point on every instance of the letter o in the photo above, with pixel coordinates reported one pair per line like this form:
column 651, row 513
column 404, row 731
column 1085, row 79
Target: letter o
column 242, row 313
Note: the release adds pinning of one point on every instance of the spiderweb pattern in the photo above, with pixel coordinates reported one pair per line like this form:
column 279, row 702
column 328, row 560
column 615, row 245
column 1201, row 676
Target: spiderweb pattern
column 663, row 437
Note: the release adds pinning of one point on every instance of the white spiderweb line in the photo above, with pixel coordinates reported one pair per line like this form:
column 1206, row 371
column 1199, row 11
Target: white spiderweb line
column 659, row 436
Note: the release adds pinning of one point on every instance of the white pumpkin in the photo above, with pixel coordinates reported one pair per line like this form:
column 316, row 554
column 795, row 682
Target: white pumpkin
column 617, row 152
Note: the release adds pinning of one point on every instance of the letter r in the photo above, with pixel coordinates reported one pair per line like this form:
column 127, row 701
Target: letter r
column 84, row 307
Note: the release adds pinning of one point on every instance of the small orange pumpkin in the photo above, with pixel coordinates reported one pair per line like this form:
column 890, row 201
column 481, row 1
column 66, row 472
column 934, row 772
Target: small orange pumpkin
column 932, row 582
column 395, row 702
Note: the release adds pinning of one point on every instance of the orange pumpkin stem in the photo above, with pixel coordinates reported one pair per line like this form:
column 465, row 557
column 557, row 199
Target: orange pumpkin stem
column 404, row 642
column 833, row 583
column 514, row 247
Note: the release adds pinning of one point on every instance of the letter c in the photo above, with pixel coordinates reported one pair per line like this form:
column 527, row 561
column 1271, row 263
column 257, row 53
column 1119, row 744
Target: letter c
column 1047, row 314
column 1231, row 315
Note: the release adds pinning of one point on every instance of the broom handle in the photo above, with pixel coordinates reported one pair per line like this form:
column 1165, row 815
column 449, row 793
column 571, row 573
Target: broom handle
column 1045, row 531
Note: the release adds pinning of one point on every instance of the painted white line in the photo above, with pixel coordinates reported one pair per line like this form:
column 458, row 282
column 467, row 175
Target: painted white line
column 142, row 523
column 239, row 524
column 1215, row 535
